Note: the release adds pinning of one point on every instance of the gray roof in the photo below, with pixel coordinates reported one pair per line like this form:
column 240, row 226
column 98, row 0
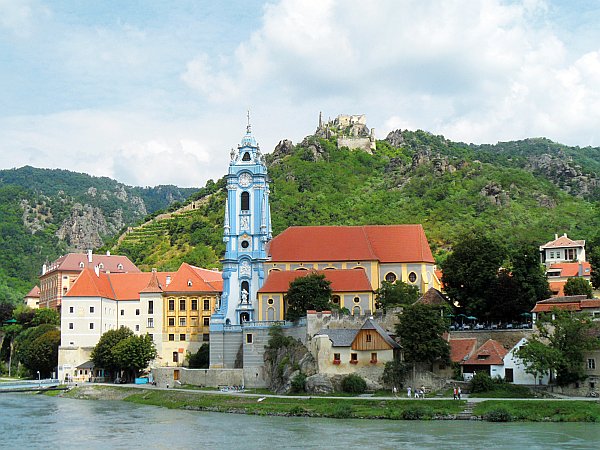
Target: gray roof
column 86, row 365
column 343, row 337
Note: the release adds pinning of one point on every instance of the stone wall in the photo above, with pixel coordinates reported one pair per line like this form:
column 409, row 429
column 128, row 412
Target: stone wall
column 164, row 376
column 323, row 320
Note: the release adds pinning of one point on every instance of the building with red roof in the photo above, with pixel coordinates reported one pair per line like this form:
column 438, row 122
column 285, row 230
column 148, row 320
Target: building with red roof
column 488, row 358
column 58, row 276
column 562, row 249
column 173, row 307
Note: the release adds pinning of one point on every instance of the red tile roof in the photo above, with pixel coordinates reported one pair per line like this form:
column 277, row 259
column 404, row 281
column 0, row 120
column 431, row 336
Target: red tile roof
column 563, row 241
column 72, row 263
column 569, row 303
column 347, row 280
column 385, row 243
column 490, row 353
column 572, row 269
column 557, row 287
column 550, row 306
column 88, row 284
column 194, row 279
column 461, row 349
column 34, row 292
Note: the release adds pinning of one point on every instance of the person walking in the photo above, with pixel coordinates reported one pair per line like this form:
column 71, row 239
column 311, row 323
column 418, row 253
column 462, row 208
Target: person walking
column 455, row 393
column 459, row 392
column 409, row 392
column 395, row 391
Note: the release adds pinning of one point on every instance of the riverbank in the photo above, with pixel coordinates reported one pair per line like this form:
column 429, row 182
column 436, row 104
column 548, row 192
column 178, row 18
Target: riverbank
column 347, row 408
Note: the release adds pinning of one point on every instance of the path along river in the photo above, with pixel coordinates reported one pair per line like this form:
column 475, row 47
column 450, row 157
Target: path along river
column 41, row 422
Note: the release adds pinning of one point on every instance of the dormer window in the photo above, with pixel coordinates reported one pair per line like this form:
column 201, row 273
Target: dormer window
column 120, row 266
column 189, row 283
column 81, row 265
column 100, row 266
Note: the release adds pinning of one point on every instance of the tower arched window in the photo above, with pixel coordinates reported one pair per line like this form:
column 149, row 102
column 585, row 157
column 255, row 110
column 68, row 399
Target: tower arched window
column 245, row 201
column 246, row 157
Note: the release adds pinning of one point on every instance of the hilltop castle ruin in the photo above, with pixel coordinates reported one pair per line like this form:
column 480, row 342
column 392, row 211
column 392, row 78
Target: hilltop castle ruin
column 351, row 131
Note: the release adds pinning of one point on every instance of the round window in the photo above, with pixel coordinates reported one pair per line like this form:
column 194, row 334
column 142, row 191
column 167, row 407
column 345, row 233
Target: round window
column 245, row 244
column 356, row 300
column 390, row 277
column 412, row 277
column 336, row 300
column 270, row 301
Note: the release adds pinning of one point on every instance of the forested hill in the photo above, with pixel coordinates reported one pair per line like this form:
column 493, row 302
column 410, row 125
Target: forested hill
column 45, row 213
column 513, row 191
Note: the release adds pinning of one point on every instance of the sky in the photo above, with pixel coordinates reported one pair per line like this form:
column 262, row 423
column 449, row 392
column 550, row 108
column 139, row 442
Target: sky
column 153, row 92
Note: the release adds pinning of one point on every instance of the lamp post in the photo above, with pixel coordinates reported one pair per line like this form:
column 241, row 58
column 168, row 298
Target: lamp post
column 39, row 379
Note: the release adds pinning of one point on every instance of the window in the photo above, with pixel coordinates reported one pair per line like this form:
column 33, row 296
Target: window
column 175, row 357
column 171, row 337
column 137, row 328
column 249, row 338
column 182, row 321
column 100, row 266
column 206, row 321
column 193, row 321
column 245, row 201
column 120, row 266
column 591, row 363
column 151, row 322
column 81, row 265
column 171, row 321
column 369, row 338
column 181, row 305
column 335, row 299
column 390, row 277
column 91, row 310
column 270, row 301
column 189, row 283
column 71, row 309
column 91, row 325
column 570, row 254
column 182, row 337
column 374, row 358
column 70, row 325
column 245, row 244
column 412, row 277
column 206, row 305
column 353, row 358
column 137, row 312
column 122, row 312
column 194, row 305
column 246, row 157
column 171, row 304
column 205, row 337
column 356, row 300
column 150, row 306
column 336, row 358
column 151, row 336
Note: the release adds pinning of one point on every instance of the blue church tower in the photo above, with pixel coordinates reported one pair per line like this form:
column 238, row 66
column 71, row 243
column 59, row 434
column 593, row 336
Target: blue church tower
column 247, row 229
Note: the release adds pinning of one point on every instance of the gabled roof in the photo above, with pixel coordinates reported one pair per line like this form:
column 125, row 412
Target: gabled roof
column 88, row 284
column 342, row 280
column 461, row 349
column 370, row 324
column 154, row 286
column 433, row 297
column 344, row 337
column 490, row 353
column 194, row 279
column 572, row 269
column 73, row 262
column 34, row 292
column 563, row 241
column 383, row 243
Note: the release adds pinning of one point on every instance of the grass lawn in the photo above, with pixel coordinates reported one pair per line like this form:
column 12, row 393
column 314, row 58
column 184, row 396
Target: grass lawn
column 505, row 390
column 540, row 411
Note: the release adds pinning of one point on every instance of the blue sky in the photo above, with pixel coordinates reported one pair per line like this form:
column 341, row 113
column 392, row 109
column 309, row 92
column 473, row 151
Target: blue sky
column 155, row 92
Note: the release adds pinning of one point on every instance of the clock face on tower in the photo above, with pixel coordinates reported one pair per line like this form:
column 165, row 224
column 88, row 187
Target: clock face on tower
column 245, row 179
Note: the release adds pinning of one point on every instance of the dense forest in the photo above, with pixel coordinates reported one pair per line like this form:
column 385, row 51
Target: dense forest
column 517, row 192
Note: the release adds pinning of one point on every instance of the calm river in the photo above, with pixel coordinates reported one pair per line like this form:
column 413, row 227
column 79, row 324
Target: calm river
column 37, row 421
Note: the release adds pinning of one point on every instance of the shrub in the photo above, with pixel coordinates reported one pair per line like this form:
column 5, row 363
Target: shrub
column 298, row 383
column 414, row 413
column 354, row 384
column 482, row 382
column 498, row 415
column 342, row 411
column 297, row 411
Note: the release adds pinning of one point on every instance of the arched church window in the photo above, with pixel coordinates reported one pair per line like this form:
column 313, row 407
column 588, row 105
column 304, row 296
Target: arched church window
column 244, row 292
column 246, row 157
column 245, row 201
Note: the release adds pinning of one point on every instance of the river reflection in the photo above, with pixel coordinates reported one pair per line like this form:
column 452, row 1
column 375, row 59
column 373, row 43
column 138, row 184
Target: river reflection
column 36, row 421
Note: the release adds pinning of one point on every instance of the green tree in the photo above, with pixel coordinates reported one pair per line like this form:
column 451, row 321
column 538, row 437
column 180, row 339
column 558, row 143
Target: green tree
column 470, row 273
column 312, row 291
column 529, row 276
column 102, row 354
column 578, row 286
column 394, row 373
column 6, row 310
column 200, row 359
column 559, row 345
column 420, row 329
column 594, row 257
column 133, row 354
column 396, row 294
column 45, row 315
column 539, row 358
column 42, row 353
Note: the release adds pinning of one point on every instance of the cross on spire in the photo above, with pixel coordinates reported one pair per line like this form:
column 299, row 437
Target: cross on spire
column 248, row 128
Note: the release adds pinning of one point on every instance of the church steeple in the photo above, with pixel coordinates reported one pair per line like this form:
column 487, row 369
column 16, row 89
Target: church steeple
column 247, row 229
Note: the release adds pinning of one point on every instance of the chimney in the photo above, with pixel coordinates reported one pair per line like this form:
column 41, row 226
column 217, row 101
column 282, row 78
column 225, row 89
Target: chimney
column 168, row 280
column 154, row 270
column 580, row 270
column 44, row 269
column 555, row 236
column 89, row 254
column 565, row 234
column 107, row 252
column 97, row 270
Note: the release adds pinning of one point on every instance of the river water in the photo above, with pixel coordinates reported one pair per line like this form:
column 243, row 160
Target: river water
column 40, row 422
